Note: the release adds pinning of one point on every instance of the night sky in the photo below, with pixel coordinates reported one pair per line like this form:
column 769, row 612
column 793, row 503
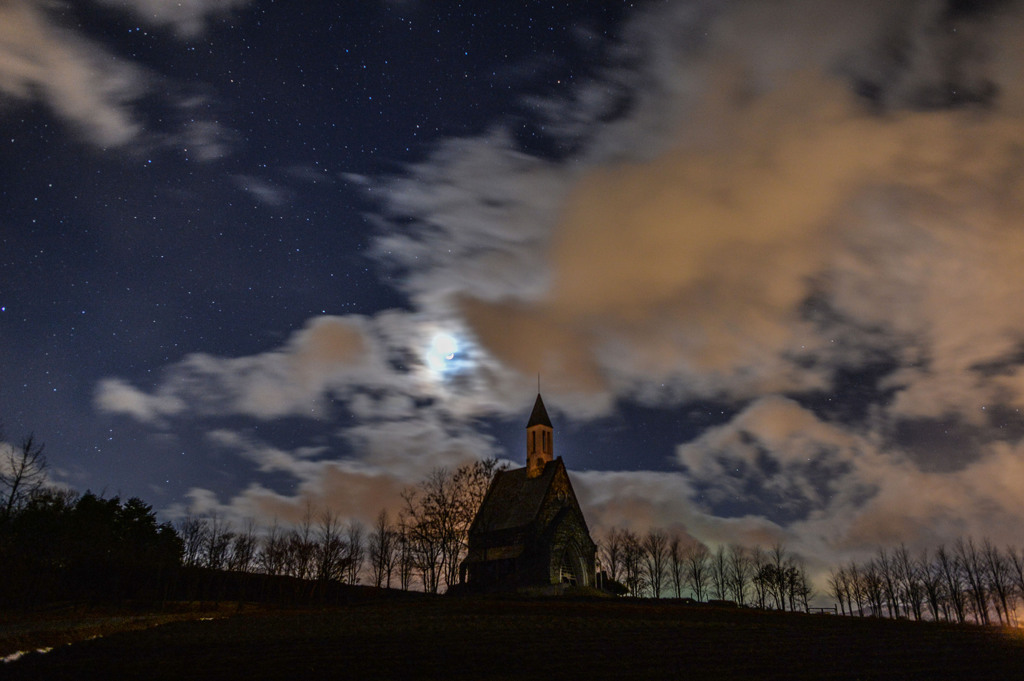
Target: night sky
column 767, row 258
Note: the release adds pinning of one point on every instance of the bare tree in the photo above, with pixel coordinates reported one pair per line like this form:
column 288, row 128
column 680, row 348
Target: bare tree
column 874, row 588
column 242, row 553
column 329, row 551
column 777, row 575
column 632, row 564
column 855, row 582
column 470, row 484
column 423, row 537
column 192, row 531
column 355, row 547
column 655, row 560
column 217, row 542
column 22, row 474
column 1000, row 580
column 301, row 547
column 382, row 545
column 406, row 558
column 887, row 573
column 1016, row 569
column 720, row 573
column 934, row 588
column 759, row 572
column 838, row 588
column 739, row 573
column 273, row 554
column 611, row 554
column 949, row 568
column 697, row 558
column 437, row 515
column 908, row 579
column 972, row 564
column 677, row 565
column 799, row 585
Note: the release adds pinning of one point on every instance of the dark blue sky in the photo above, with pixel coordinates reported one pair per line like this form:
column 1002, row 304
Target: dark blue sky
column 763, row 256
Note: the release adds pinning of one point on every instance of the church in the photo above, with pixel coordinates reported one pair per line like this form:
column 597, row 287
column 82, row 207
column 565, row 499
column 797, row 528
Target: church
column 529, row 531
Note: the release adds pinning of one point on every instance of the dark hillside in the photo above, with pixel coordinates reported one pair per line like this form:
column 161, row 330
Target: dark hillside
column 529, row 639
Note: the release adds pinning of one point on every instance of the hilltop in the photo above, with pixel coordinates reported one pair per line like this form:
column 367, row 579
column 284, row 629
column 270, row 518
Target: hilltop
column 491, row 638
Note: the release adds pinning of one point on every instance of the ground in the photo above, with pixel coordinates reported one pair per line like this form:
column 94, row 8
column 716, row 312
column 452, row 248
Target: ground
column 472, row 638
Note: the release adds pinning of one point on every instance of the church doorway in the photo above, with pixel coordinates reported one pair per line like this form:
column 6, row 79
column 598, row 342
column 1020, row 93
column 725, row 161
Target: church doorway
column 571, row 570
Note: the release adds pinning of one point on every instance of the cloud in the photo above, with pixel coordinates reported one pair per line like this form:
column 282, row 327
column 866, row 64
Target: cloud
column 926, row 508
column 116, row 396
column 263, row 191
column 777, row 453
column 203, row 140
column 329, row 353
column 641, row 500
column 355, row 486
column 188, row 18
column 73, row 76
column 484, row 212
column 92, row 87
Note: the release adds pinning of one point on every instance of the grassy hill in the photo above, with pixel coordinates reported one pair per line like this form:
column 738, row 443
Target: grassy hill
column 477, row 638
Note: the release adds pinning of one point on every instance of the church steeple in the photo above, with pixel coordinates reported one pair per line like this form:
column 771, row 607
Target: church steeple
column 540, row 446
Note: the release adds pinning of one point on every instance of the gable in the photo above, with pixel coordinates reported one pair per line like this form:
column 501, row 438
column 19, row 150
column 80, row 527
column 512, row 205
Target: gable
column 561, row 498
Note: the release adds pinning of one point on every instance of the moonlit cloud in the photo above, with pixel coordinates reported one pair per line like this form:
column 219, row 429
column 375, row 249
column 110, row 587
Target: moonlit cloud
column 484, row 212
column 329, row 353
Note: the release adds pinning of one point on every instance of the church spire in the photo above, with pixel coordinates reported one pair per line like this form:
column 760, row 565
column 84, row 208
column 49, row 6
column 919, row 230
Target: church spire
column 540, row 445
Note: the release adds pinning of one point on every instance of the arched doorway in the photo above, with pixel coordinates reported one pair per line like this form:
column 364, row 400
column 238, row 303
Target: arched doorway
column 571, row 567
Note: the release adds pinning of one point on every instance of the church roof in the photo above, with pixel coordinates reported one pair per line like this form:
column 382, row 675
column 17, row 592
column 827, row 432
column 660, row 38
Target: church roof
column 514, row 500
column 539, row 417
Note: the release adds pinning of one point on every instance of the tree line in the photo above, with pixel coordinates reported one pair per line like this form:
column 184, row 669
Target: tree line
column 59, row 544
column 420, row 548
column 657, row 564
column 965, row 582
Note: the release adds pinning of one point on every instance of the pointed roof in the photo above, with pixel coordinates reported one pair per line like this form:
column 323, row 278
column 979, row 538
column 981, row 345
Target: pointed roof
column 514, row 500
column 539, row 417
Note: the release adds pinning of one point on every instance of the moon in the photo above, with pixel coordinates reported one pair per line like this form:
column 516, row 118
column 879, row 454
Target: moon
column 443, row 348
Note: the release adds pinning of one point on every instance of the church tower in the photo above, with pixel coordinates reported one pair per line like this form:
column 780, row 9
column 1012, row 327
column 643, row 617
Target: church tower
column 540, row 448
